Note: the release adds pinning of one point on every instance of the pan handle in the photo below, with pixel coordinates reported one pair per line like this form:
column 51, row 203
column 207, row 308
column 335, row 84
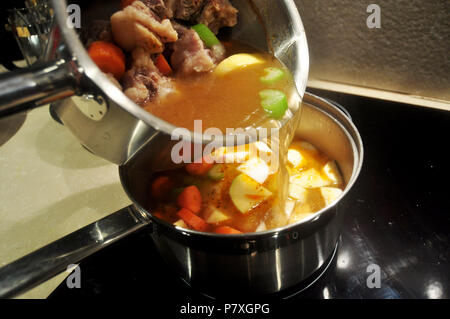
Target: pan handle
column 48, row 261
column 25, row 89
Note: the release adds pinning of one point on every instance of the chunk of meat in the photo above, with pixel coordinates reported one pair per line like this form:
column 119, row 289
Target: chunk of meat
column 128, row 34
column 142, row 59
column 140, row 85
column 143, row 82
column 146, row 17
column 185, row 10
column 218, row 52
column 190, row 55
column 158, row 7
column 213, row 13
column 170, row 7
column 217, row 14
column 143, row 86
column 136, row 25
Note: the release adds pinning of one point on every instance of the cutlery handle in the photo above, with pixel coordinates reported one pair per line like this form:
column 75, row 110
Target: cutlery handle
column 48, row 261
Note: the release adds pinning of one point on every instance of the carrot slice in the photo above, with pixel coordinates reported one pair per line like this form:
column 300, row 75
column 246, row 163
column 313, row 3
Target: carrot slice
column 162, row 65
column 226, row 230
column 108, row 57
column 199, row 169
column 192, row 220
column 125, row 3
column 161, row 186
column 158, row 214
column 190, row 198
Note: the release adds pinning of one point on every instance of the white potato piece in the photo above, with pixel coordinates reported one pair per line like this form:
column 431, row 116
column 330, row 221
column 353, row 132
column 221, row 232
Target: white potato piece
column 247, row 194
column 332, row 172
column 330, row 194
column 215, row 216
column 231, row 154
column 301, row 211
column 255, row 168
column 289, row 207
column 295, row 158
column 263, row 151
column 308, row 146
column 310, row 178
column 181, row 223
column 237, row 62
column 262, row 148
column 297, row 192
column 242, row 153
column 261, row 227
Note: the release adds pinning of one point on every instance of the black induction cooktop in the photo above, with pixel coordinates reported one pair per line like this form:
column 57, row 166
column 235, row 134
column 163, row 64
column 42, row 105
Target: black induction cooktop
column 397, row 222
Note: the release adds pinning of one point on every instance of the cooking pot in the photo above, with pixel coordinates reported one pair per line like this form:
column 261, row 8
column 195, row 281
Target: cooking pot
column 253, row 263
column 104, row 120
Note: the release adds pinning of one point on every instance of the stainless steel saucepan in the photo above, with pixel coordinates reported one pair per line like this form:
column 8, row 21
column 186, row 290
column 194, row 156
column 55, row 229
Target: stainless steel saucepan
column 254, row 263
column 104, row 119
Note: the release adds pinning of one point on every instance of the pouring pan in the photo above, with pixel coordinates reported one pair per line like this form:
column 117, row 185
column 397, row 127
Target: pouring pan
column 252, row 263
column 106, row 121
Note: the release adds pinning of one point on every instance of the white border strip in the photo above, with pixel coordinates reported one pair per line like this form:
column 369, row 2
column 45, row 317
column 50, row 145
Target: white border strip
column 379, row 94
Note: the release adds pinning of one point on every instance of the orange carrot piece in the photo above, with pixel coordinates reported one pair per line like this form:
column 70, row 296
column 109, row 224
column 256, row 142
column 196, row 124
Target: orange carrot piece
column 108, row 57
column 162, row 65
column 161, row 186
column 199, row 169
column 226, row 230
column 192, row 220
column 125, row 3
column 158, row 214
column 190, row 198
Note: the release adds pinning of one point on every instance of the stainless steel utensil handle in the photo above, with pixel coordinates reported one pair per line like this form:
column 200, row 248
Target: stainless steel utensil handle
column 28, row 88
column 41, row 265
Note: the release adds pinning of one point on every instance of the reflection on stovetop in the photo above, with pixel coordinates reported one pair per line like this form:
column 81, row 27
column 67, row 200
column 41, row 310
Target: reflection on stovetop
column 397, row 221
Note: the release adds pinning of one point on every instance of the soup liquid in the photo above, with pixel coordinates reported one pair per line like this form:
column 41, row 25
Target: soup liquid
column 230, row 101
column 316, row 175
column 233, row 101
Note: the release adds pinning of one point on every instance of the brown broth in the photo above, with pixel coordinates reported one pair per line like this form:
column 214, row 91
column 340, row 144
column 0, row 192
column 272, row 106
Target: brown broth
column 231, row 101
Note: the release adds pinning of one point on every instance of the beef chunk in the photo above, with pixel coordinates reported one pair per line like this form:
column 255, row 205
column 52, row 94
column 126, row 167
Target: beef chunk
column 170, row 6
column 217, row 53
column 158, row 7
column 185, row 10
column 136, row 25
column 189, row 54
column 217, row 14
column 141, row 85
column 143, row 82
column 213, row 13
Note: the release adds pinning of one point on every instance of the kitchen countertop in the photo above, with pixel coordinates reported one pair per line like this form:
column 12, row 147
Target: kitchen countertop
column 50, row 186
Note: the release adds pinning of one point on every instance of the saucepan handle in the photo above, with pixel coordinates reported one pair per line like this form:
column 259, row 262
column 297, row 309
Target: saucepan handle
column 25, row 89
column 41, row 265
